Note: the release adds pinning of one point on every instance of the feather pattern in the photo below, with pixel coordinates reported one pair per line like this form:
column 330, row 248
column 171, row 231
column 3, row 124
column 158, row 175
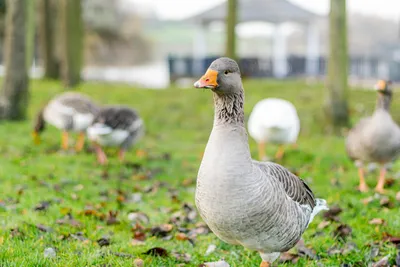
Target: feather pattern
column 69, row 111
column 116, row 126
column 259, row 205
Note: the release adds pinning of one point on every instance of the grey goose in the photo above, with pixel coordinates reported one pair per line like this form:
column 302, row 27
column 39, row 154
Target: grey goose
column 259, row 205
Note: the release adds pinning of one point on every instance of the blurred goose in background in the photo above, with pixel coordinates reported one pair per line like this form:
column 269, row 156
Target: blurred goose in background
column 375, row 139
column 69, row 112
column 115, row 126
column 275, row 121
column 259, row 205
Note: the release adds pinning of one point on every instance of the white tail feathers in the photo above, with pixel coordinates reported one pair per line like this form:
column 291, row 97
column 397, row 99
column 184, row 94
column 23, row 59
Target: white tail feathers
column 320, row 204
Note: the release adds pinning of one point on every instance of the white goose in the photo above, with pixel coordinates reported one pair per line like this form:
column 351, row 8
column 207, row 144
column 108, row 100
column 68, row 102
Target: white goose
column 259, row 205
column 275, row 121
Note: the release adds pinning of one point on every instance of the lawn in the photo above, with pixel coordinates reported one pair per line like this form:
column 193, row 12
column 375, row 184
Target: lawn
column 63, row 209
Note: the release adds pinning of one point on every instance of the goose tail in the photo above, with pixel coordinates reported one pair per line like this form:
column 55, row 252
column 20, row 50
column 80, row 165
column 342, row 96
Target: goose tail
column 320, row 205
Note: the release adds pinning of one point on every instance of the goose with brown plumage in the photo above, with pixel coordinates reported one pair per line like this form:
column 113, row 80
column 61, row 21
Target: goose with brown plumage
column 375, row 139
column 259, row 205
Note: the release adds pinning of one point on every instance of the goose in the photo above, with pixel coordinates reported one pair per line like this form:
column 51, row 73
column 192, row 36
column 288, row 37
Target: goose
column 69, row 112
column 115, row 126
column 375, row 139
column 259, row 205
column 281, row 128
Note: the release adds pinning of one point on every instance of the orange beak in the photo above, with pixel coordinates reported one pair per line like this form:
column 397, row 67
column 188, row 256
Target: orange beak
column 381, row 85
column 209, row 80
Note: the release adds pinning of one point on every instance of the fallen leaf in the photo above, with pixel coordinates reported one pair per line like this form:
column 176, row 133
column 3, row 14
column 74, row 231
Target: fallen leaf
column 367, row 200
column 112, row 218
column 42, row 206
column 139, row 235
column 389, row 238
column 287, row 257
column 211, row 248
column 342, row 231
column 374, row 252
column 15, row 232
column 384, row 262
column 138, row 263
column 398, row 196
column 181, row 237
column 104, row 241
column 69, row 220
column 303, row 250
column 136, row 242
column 122, row 255
column 398, row 257
column 140, row 217
column 377, row 221
column 332, row 213
column 182, row 257
column 157, row 251
column 161, row 230
column 323, row 224
column 385, row 202
column 43, row 228
column 79, row 236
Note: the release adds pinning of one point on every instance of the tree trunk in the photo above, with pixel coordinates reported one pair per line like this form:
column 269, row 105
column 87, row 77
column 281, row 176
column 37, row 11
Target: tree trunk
column 30, row 33
column 336, row 108
column 72, row 41
column 231, row 21
column 14, row 95
column 47, row 31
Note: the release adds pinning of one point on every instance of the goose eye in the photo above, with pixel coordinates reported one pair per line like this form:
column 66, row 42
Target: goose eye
column 226, row 72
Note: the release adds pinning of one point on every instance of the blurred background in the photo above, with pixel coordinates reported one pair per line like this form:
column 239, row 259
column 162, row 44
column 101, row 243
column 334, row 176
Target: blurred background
column 154, row 42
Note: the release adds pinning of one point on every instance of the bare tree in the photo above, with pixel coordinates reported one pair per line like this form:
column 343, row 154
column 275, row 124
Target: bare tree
column 231, row 21
column 47, row 31
column 14, row 95
column 336, row 108
column 72, row 41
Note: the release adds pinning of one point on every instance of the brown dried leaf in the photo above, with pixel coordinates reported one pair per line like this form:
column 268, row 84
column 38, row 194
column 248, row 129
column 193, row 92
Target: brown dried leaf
column 104, row 241
column 138, row 263
column 42, row 206
column 385, row 202
column 384, row 262
column 43, row 228
column 377, row 221
column 112, row 218
column 287, row 257
column 390, row 238
column 139, row 235
column 69, row 220
column 182, row 257
column 323, row 224
column 15, row 232
column 398, row 196
column 181, row 237
column 161, row 230
column 157, row 251
column 138, row 217
column 332, row 213
column 342, row 231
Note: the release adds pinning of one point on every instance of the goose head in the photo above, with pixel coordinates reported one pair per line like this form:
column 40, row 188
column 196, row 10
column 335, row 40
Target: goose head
column 384, row 87
column 222, row 77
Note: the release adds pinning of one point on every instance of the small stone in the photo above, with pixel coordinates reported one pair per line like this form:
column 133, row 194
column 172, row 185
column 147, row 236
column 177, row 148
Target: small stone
column 49, row 253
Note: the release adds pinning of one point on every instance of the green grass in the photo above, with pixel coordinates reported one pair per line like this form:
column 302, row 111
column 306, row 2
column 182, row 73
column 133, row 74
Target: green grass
column 178, row 123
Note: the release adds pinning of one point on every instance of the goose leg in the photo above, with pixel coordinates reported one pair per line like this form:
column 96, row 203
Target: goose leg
column 261, row 151
column 381, row 182
column 80, row 142
column 363, row 187
column 265, row 264
column 101, row 156
column 281, row 151
column 64, row 140
column 121, row 154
